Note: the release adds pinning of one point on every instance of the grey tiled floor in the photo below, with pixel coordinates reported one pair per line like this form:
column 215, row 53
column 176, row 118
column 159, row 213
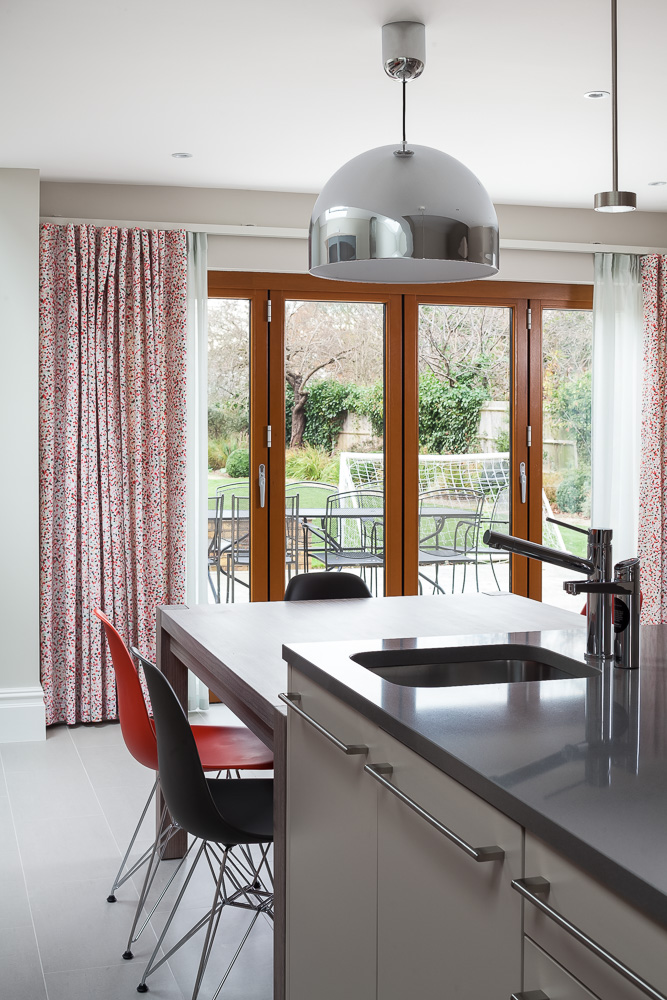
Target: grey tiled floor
column 67, row 810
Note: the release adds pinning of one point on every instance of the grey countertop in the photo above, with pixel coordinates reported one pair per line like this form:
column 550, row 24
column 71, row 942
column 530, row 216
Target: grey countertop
column 582, row 763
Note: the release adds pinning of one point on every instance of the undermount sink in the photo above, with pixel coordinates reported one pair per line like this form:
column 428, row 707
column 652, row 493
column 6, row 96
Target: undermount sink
column 461, row 665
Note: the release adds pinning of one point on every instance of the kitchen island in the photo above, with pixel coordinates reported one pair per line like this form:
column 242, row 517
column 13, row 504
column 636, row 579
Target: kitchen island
column 237, row 650
column 564, row 778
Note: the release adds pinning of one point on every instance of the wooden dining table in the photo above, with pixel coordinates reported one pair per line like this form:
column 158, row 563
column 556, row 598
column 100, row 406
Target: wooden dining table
column 237, row 650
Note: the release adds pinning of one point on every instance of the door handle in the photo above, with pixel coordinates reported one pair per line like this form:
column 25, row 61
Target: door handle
column 262, row 485
column 523, row 479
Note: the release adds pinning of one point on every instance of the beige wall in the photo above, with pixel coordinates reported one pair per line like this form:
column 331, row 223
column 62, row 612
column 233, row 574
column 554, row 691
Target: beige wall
column 21, row 705
column 212, row 206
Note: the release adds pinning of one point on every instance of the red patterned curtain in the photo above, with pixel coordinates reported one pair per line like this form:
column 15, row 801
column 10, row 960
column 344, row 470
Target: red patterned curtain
column 112, row 451
column 653, row 474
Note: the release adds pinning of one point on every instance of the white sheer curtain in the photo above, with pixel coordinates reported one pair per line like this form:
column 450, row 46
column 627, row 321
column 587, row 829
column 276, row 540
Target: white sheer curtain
column 616, row 417
column 197, row 436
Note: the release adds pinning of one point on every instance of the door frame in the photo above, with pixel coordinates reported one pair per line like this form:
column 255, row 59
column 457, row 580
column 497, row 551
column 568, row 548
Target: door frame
column 269, row 290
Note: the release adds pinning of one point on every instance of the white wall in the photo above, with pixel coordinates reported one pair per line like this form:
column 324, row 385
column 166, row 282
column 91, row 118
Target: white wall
column 212, row 206
column 21, row 703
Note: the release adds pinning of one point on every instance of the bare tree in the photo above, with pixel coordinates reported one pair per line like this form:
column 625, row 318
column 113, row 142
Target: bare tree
column 455, row 341
column 342, row 340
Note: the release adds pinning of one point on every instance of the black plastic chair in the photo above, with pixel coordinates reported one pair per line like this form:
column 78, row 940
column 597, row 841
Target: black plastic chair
column 226, row 814
column 325, row 587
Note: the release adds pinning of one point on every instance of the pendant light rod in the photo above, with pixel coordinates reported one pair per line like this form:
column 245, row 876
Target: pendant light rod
column 614, row 200
column 405, row 82
column 614, row 94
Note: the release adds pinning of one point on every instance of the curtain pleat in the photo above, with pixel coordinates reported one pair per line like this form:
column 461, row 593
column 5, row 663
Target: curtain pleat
column 616, row 410
column 653, row 475
column 112, row 451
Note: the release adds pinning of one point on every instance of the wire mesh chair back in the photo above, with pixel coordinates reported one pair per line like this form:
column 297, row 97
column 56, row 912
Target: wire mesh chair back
column 312, row 498
column 449, row 519
column 361, row 530
column 240, row 529
column 292, row 532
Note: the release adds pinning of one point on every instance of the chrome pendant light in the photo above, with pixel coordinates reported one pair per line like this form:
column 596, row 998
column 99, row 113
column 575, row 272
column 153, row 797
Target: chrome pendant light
column 403, row 214
column 615, row 201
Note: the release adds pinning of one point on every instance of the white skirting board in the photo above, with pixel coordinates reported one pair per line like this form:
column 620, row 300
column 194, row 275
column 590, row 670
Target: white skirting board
column 22, row 715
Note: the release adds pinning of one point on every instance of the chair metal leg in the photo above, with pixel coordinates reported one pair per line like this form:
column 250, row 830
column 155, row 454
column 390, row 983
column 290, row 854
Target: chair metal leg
column 166, row 831
column 150, row 967
column 120, row 878
column 213, row 590
column 239, row 883
column 212, row 927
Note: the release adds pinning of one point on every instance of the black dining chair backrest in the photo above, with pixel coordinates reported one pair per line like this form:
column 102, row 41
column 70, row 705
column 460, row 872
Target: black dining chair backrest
column 184, row 786
column 325, row 587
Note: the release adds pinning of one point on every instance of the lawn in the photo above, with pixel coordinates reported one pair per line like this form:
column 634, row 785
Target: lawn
column 575, row 542
column 313, row 498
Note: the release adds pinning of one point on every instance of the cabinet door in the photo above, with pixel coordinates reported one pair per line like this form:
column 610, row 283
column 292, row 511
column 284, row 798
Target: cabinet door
column 331, row 853
column 542, row 973
column 629, row 936
column 448, row 926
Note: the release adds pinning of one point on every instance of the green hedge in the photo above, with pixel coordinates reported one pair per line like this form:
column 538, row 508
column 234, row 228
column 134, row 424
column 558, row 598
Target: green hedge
column 238, row 463
column 448, row 415
column 573, row 493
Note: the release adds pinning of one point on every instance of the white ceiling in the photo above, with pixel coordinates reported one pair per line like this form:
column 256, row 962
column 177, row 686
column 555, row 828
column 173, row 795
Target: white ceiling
column 276, row 94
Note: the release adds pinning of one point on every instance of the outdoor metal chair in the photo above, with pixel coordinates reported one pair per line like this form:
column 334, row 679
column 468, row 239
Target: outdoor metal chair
column 218, row 545
column 353, row 532
column 498, row 521
column 313, row 498
column 238, row 553
column 449, row 522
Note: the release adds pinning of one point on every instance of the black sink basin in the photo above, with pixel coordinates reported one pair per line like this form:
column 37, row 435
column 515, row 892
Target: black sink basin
column 460, row 665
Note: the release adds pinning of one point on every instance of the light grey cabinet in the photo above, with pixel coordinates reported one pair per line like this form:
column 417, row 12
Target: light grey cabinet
column 597, row 914
column 381, row 903
column 331, row 853
column 448, row 925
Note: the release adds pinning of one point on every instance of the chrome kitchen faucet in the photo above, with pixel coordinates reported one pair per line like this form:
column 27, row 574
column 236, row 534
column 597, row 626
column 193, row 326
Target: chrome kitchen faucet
column 600, row 590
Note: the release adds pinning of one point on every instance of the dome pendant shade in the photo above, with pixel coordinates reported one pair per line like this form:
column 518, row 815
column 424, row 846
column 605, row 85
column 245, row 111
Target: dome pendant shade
column 403, row 219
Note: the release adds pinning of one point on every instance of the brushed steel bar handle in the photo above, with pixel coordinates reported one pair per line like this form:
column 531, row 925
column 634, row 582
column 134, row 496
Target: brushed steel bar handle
column 532, row 888
column 530, row 995
column 378, row 771
column 347, row 748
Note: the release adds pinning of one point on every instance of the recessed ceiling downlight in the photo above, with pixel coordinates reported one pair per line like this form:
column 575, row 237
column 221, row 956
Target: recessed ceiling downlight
column 656, row 184
column 596, row 95
column 182, row 156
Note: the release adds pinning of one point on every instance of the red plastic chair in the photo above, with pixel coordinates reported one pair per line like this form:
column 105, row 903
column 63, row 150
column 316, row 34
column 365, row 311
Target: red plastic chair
column 221, row 748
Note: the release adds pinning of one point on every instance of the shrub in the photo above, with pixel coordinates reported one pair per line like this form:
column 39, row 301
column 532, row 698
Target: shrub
column 238, row 463
column 503, row 440
column 570, row 406
column 308, row 463
column 228, row 419
column 550, row 483
column 573, row 494
column 448, row 415
column 217, row 454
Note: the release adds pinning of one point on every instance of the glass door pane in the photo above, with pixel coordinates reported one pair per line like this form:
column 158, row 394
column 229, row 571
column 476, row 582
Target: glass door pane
column 334, row 418
column 228, row 449
column 464, row 373
column 567, row 348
